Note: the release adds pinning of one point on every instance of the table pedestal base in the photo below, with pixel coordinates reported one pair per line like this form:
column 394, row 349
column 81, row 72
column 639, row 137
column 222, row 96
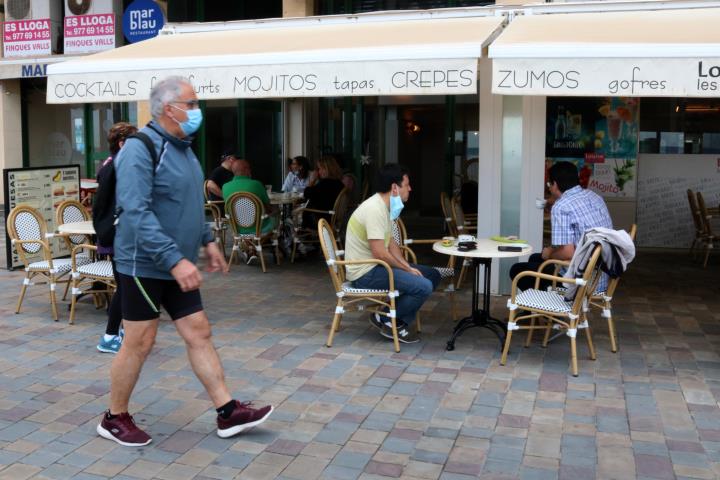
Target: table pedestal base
column 480, row 317
column 481, row 320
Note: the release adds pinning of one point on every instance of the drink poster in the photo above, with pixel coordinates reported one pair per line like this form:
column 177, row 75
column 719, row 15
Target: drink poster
column 600, row 136
column 42, row 188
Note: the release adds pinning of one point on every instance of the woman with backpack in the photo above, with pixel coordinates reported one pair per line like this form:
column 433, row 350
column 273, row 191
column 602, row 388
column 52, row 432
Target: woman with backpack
column 105, row 202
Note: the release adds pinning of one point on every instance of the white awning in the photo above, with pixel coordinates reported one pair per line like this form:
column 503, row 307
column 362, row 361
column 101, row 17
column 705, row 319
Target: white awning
column 437, row 56
column 661, row 53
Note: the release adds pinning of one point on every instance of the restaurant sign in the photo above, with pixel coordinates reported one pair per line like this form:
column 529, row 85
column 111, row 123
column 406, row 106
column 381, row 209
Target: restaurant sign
column 628, row 77
column 340, row 79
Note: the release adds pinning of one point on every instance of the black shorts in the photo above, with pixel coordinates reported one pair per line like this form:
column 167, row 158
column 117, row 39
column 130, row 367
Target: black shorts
column 142, row 297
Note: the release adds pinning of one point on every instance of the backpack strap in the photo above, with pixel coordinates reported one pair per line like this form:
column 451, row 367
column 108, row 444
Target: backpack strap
column 149, row 145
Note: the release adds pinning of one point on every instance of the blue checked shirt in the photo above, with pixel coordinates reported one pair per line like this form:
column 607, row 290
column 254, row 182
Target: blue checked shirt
column 575, row 211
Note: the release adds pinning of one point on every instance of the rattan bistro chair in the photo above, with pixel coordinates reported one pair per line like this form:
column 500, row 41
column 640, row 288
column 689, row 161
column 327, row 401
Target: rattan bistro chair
column 350, row 298
column 71, row 211
column 247, row 211
column 602, row 300
column 709, row 235
column 699, row 238
column 308, row 234
column 551, row 306
column 447, row 273
column 97, row 278
column 218, row 225
column 452, row 228
column 462, row 222
column 29, row 235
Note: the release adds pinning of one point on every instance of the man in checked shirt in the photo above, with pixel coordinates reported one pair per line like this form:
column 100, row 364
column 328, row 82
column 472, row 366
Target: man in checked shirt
column 574, row 211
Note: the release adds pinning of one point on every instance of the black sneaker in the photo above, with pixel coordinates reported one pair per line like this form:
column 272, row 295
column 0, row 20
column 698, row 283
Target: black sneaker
column 385, row 326
column 379, row 321
column 404, row 334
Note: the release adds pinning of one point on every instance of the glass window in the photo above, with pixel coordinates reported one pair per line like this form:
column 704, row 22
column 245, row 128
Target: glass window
column 56, row 133
column 679, row 125
column 67, row 134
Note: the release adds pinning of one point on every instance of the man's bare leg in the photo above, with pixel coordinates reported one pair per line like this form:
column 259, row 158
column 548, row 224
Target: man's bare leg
column 205, row 362
column 127, row 364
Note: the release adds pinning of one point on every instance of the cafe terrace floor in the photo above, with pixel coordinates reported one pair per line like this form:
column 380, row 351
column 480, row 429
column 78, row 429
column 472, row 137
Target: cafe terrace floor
column 359, row 410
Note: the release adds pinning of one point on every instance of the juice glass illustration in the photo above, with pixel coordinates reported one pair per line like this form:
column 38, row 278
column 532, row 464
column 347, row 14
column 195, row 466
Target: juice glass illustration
column 614, row 124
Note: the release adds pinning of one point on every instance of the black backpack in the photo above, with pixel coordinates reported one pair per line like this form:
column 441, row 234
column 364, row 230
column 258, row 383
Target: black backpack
column 104, row 214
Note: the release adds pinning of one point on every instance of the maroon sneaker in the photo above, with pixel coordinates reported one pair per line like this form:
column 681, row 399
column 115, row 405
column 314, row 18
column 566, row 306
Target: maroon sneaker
column 122, row 429
column 242, row 418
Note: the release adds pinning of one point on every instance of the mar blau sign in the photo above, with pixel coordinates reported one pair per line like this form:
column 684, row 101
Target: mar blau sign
column 658, row 77
column 414, row 77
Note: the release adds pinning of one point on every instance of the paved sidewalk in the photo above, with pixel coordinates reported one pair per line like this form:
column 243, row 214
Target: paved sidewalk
column 358, row 410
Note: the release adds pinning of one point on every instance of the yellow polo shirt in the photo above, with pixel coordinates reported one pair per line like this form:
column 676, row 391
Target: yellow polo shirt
column 370, row 221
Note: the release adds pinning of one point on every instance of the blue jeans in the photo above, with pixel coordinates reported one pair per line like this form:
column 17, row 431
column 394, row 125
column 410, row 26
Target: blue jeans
column 413, row 290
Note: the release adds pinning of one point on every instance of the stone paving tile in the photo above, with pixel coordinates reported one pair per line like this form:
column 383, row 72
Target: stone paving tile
column 358, row 410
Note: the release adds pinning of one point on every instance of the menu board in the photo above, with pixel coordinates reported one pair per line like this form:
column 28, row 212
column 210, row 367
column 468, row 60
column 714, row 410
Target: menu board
column 42, row 188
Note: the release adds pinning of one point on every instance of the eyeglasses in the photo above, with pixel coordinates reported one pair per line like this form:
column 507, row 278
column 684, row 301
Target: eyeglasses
column 191, row 104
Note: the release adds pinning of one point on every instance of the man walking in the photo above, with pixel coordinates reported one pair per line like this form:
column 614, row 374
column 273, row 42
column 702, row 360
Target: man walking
column 369, row 235
column 160, row 230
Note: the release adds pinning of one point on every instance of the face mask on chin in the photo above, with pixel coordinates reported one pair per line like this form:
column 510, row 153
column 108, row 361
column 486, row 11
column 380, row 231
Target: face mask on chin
column 396, row 206
column 193, row 122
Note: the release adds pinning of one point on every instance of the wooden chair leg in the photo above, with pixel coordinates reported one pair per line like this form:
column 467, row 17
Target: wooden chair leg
column 73, row 304
column 607, row 312
column 67, row 288
column 461, row 277
column 508, row 338
column 548, row 330
column 396, row 340
column 591, row 347
column 707, row 254
column 235, row 248
column 259, row 250
column 26, row 281
column 530, row 332
column 573, row 356
column 335, row 325
column 292, row 255
column 52, row 298
column 418, row 327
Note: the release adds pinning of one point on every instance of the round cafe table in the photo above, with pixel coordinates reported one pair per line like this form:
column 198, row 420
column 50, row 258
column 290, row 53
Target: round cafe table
column 284, row 198
column 483, row 256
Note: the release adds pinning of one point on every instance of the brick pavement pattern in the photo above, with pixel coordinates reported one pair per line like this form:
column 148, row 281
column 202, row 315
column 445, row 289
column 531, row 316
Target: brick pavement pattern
column 360, row 411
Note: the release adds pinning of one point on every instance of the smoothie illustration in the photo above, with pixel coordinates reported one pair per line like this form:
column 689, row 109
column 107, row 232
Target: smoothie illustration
column 614, row 124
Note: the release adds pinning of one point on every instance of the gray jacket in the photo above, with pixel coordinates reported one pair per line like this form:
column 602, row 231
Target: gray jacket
column 618, row 250
column 163, row 218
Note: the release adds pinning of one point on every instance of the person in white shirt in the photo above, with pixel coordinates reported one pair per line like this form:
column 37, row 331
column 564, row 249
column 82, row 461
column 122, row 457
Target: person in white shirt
column 299, row 175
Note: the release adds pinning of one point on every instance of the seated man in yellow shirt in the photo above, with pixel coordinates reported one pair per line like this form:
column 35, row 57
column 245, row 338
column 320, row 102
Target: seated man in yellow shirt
column 369, row 235
column 243, row 183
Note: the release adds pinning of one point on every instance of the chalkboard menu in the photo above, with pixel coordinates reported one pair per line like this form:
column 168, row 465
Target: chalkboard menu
column 42, row 188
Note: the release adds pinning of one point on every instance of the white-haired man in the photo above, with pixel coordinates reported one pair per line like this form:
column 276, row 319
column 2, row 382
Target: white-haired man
column 160, row 230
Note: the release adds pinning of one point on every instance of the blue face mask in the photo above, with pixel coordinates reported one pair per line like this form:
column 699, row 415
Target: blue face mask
column 396, row 206
column 193, row 122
